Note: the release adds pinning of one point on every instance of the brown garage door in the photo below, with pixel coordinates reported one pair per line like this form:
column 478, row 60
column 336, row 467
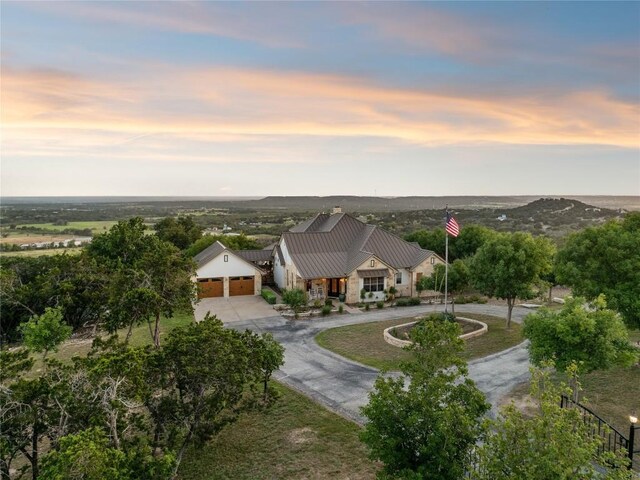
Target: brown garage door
column 241, row 286
column 210, row 287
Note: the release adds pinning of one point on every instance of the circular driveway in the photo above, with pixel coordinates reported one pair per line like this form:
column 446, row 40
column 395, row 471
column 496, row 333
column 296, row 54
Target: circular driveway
column 343, row 385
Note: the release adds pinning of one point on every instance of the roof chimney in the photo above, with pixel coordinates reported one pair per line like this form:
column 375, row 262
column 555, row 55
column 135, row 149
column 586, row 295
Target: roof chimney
column 336, row 209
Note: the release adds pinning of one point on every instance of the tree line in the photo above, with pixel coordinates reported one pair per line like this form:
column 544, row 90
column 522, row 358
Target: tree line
column 602, row 260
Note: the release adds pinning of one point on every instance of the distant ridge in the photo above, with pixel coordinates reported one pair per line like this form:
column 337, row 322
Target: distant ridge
column 347, row 202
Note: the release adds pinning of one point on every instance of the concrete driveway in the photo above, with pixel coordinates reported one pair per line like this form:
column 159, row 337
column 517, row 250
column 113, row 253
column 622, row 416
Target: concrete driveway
column 234, row 309
column 343, row 385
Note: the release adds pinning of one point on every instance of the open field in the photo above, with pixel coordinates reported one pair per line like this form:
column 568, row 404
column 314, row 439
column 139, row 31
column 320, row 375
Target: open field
column 19, row 238
column 294, row 438
column 97, row 226
column 41, row 252
column 364, row 343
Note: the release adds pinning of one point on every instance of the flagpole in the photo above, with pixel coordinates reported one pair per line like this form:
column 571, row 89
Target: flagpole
column 446, row 260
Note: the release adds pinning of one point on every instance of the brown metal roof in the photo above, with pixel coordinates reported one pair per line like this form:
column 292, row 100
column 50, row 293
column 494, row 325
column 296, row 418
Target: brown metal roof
column 334, row 245
column 255, row 255
column 376, row 272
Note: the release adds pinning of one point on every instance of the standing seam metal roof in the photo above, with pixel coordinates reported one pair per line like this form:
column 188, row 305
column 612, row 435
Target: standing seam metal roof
column 334, row 245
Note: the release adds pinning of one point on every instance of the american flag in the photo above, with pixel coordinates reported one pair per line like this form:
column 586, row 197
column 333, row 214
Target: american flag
column 452, row 226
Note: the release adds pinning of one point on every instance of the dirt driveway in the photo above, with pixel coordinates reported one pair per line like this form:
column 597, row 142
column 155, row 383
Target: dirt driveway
column 234, row 309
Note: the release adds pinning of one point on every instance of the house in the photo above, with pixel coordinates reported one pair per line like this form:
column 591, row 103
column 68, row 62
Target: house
column 337, row 255
column 222, row 272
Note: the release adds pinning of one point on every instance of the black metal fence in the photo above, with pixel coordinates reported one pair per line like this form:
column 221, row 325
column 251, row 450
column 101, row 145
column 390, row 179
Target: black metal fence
column 612, row 439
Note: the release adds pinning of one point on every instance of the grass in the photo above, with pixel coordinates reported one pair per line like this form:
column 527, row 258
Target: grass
column 365, row 343
column 294, row 438
column 97, row 226
column 139, row 336
column 612, row 394
column 41, row 252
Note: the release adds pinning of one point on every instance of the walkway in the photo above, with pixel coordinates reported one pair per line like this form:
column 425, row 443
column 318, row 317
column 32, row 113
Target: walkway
column 344, row 385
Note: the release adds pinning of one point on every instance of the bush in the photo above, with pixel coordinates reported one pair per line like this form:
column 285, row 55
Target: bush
column 460, row 300
column 269, row 296
column 413, row 301
column 341, row 309
column 326, row 310
column 367, row 307
column 402, row 302
column 482, row 301
column 379, row 304
column 329, row 302
column 317, row 303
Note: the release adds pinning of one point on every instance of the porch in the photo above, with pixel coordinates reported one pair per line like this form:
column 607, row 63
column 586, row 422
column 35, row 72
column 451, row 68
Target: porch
column 321, row 288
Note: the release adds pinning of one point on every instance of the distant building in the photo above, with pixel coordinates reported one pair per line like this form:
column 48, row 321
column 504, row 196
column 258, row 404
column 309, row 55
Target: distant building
column 502, row 218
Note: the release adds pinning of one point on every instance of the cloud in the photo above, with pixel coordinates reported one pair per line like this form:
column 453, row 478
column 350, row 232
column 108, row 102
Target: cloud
column 201, row 114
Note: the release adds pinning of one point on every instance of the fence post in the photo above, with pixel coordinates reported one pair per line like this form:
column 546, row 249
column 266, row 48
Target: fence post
column 632, row 437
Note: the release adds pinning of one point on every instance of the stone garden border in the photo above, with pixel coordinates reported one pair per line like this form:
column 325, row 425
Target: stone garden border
column 396, row 342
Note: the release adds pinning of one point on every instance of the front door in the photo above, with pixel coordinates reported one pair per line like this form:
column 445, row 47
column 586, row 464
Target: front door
column 334, row 287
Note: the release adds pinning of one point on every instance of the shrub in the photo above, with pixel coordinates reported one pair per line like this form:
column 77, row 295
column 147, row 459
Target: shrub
column 370, row 295
column 269, row 296
column 326, row 310
column 413, row 301
column 341, row 309
column 379, row 304
column 402, row 302
column 367, row 306
column 328, row 301
column 460, row 300
column 482, row 301
column 317, row 303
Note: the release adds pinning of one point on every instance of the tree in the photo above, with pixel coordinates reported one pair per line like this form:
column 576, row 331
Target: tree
column 267, row 355
column 458, row 280
column 88, row 455
column 509, row 265
column 605, row 260
column 425, row 424
column 596, row 338
column 555, row 443
column 470, row 239
column 149, row 277
column 433, row 240
column 182, row 232
column 43, row 333
column 202, row 373
column 295, row 298
column 236, row 242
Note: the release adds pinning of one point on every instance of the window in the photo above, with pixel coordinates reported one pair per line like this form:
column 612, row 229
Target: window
column 433, row 259
column 373, row 284
column 373, row 263
column 226, row 258
column 398, row 278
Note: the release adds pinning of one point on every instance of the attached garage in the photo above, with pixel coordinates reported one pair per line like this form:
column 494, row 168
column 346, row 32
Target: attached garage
column 223, row 273
column 210, row 287
column 241, row 286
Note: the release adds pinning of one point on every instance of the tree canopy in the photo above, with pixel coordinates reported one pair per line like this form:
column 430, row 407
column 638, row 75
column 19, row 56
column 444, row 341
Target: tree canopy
column 554, row 442
column 593, row 337
column 181, row 232
column 424, row 424
column 605, row 260
column 234, row 242
column 509, row 265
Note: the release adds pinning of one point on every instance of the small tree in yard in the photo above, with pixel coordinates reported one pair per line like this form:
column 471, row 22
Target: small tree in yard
column 458, row 280
column 555, row 443
column 596, row 338
column 508, row 265
column 44, row 333
column 268, row 356
column 295, row 298
column 426, row 423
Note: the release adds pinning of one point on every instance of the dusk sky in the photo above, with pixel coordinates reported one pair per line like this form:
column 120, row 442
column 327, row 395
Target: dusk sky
column 389, row 99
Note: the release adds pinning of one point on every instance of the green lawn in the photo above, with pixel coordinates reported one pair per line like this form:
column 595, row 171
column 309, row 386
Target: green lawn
column 364, row 343
column 295, row 438
column 97, row 226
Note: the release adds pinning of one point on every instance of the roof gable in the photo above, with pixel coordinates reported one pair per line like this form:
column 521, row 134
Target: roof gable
column 335, row 245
